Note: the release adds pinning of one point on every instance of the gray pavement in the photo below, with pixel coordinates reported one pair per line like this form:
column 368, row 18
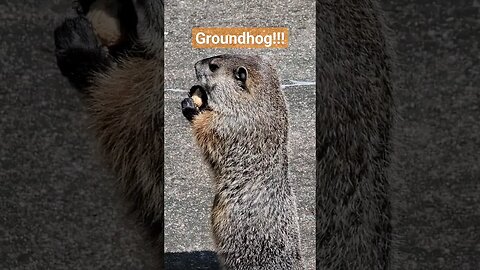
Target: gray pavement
column 58, row 202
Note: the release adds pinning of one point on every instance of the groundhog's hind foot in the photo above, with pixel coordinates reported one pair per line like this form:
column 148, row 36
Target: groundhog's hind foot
column 189, row 109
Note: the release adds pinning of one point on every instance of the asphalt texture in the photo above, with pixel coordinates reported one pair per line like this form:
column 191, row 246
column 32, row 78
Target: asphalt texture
column 58, row 202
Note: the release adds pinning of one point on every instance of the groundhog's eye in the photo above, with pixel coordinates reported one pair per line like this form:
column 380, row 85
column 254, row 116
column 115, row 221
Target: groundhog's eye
column 212, row 67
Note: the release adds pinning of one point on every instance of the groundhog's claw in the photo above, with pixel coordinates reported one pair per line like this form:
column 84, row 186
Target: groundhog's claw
column 189, row 109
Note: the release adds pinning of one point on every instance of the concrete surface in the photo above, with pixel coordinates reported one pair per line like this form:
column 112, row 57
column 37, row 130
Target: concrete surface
column 58, row 203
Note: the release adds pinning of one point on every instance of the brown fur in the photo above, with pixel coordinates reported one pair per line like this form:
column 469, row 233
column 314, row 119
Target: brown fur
column 126, row 105
column 204, row 132
column 355, row 113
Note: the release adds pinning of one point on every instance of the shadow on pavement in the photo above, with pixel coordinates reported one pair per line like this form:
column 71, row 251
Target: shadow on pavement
column 191, row 260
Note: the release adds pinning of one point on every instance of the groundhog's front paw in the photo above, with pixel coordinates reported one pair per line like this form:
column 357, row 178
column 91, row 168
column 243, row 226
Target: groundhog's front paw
column 199, row 97
column 189, row 109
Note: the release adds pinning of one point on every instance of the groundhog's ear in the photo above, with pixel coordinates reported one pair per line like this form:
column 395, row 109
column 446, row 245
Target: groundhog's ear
column 241, row 74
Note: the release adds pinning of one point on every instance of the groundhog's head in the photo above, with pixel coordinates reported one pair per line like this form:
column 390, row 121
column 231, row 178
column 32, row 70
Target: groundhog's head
column 239, row 83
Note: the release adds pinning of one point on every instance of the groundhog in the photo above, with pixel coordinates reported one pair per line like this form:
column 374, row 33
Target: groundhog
column 240, row 122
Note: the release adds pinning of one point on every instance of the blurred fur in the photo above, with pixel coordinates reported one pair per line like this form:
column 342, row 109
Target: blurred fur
column 355, row 111
column 124, row 95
